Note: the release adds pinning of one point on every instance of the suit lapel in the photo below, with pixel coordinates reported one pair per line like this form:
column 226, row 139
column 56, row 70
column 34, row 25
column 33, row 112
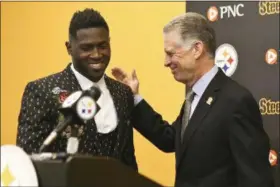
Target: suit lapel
column 68, row 87
column 119, row 104
column 74, row 86
column 117, row 99
column 203, row 107
column 178, row 127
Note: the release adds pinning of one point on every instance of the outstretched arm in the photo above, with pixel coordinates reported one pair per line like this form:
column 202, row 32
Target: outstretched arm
column 144, row 119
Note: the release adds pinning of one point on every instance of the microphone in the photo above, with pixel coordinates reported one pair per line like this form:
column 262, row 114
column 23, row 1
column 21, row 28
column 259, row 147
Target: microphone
column 86, row 109
column 77, row 108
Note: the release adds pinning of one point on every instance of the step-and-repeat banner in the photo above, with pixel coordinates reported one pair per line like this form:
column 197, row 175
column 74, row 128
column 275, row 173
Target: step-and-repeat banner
column 248, row 51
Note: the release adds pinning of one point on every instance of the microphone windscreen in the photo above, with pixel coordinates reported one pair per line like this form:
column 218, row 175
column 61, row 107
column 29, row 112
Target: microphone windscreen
column 95, row 92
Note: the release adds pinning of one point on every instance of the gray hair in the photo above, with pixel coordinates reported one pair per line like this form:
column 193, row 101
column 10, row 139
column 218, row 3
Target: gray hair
column 192, row 27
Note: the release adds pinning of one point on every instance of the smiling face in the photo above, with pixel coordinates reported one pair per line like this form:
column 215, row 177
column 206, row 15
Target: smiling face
column 90, row 51
column 190, row 45
column 180, row 59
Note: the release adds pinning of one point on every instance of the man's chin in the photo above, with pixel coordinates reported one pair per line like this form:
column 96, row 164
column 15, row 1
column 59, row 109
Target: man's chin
column 95, row 75
column 179, row 79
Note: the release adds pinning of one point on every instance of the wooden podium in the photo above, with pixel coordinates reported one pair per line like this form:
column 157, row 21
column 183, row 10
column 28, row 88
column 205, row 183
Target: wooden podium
column 88, row 171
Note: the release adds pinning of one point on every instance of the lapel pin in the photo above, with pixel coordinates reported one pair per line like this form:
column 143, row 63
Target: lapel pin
column 209, row 100
column 56, row 90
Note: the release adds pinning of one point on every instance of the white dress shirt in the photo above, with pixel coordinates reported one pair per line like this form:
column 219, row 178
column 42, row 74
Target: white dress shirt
column 198, row 88
column 106, row 118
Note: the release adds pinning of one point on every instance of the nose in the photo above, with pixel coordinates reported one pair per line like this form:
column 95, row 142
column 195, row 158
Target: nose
column 167, row 62
column 95, row 53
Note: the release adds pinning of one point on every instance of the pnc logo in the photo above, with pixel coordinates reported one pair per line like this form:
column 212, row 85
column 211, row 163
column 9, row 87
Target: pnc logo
column 212, row 13
column 271, row 56
column 228, row 11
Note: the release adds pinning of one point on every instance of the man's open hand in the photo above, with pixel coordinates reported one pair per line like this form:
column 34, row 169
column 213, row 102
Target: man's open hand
column 123, row 77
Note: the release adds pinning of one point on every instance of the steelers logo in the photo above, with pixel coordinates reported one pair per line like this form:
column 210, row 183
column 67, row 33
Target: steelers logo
column 226, row 58
column 86, row 108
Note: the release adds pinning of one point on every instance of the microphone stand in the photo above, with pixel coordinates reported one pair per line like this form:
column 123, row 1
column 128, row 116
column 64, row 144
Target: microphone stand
column 73, row 116
column 72, row 146
column 73, row 140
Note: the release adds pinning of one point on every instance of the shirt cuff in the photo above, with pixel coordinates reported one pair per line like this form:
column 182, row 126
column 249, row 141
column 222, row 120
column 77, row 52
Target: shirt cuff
column 137, row 99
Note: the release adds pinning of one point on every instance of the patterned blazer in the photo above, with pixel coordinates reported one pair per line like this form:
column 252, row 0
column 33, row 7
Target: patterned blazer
column 39, row 116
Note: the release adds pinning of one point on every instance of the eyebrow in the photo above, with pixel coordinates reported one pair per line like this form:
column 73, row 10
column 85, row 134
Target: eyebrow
column 169, row 50
column 97, row 43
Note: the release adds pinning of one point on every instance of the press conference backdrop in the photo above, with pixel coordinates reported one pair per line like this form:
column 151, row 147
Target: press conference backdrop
column 32, row 46
column 248, row 51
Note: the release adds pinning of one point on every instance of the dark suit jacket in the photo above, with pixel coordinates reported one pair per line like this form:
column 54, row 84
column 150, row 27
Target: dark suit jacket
column 224, row 144
column 39, row 116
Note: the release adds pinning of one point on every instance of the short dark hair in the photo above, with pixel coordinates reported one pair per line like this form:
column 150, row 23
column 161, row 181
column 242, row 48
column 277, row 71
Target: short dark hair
column 88, row 18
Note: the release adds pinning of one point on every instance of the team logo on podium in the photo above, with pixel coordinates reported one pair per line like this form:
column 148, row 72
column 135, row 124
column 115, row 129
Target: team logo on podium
column 16, row 167
column 226, row 58
column 7, row 177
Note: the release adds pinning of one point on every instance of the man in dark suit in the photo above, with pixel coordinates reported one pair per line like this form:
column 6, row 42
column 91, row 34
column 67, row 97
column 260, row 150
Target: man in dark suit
column 110, row 133
column 218, row 136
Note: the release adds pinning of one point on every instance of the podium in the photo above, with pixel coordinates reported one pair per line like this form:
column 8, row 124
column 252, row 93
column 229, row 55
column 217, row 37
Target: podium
column 88, row 171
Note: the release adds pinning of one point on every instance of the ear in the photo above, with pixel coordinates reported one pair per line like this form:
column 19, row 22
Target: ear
column 68, row 47
column 198, row 49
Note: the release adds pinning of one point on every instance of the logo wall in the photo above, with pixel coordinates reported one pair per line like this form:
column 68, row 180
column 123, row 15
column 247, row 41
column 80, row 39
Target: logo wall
column 226, row 58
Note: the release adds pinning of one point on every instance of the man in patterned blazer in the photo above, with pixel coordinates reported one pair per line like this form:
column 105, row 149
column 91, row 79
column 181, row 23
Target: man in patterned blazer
column 110, row 133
